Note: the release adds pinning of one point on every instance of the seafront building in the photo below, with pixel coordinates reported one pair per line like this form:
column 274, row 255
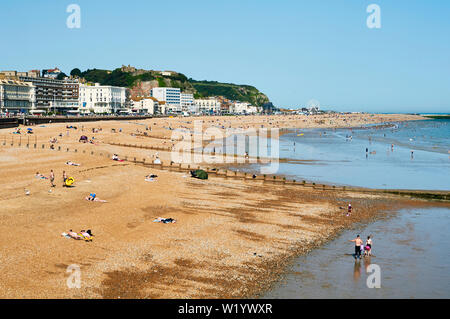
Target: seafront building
column 243, row 108
column 52, row 95
column 171, row 97
column 187, row 102
column 146, row 105
column 16, row 96
column 207, row 106
column 102, row 99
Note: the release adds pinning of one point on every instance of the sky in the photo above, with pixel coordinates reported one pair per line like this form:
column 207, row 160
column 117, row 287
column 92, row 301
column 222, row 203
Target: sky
column 293, row 51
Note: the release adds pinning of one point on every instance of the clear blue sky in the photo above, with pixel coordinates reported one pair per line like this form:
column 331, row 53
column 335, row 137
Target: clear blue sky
column 294, row 51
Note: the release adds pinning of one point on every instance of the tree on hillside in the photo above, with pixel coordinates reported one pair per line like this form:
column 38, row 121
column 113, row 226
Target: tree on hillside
column 75, row 72
column 61, row 76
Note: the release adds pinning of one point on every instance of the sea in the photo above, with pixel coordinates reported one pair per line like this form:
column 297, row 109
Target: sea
column 410, row 258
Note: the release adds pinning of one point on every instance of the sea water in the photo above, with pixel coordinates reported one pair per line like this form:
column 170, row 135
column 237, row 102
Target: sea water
column 409, row 248
column 407, row 155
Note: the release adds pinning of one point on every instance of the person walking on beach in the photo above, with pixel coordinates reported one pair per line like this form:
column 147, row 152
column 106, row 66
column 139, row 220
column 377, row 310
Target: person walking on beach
column 52, row 178
column 358, row 242
column 64, row 178
column 368, row 247
column 349, row 211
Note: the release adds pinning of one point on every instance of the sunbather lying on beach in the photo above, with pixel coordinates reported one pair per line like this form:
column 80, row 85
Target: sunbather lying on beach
column 87, row 235
column 151, row 178
column 82, row 235
column 73, row 235
column 72, row 163
column 164, row 220
column 40, row 176
column 93, row 198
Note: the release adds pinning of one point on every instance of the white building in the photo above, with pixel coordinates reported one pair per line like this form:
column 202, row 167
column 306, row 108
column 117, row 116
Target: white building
column 209, row 105
column 243, row 108
column 147, row 105
column 16, row 96
column 102, row 99
column 172, row 97
column 187, row 102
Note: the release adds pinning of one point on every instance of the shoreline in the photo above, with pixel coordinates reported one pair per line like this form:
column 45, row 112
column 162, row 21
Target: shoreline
column 258, row 226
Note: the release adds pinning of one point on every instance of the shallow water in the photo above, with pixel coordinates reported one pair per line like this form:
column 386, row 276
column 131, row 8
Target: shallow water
column 341, row 160
column 410, row 248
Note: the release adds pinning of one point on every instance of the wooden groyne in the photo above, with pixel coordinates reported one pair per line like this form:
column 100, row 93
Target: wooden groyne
column 232, row 174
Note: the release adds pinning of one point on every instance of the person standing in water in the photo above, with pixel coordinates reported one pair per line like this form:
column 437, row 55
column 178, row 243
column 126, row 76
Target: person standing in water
column 358, row 242
column 368, row 247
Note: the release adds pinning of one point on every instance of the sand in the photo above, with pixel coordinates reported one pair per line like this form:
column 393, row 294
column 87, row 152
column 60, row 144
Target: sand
column 231, row 238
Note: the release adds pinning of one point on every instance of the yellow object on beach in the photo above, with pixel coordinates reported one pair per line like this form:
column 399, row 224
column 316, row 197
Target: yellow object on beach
column 69, row 181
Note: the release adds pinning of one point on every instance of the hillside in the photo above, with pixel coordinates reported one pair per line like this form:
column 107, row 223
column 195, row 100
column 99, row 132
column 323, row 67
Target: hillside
column 244, row 93
column 141, row 81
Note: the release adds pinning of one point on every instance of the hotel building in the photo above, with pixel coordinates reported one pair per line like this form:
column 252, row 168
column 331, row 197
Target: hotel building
column 16, row 96
column 187, row 102
column 207, row 106
column 102, row 99
column 172, row 97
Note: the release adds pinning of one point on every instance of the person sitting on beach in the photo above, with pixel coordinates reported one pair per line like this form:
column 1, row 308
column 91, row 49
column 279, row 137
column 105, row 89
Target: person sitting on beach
column 115, row 157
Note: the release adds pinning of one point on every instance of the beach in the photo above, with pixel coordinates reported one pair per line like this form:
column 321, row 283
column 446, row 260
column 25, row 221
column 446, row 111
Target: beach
column 232, row 237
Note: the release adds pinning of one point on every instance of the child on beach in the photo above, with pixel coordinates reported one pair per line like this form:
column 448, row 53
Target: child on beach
column 368, row 247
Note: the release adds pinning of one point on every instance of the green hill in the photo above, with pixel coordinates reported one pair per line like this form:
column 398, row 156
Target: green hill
column 243, row 93
column 134, row 79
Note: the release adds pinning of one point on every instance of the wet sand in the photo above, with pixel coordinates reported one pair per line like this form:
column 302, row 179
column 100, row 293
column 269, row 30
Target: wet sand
column 406, row 249
column 232, row 237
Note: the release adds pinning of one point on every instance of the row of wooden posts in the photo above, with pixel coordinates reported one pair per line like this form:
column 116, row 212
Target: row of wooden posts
column 439, row 195
column 185, row 167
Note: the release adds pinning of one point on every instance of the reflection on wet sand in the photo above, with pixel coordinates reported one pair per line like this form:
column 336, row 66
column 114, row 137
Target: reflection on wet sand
column 409, row 266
